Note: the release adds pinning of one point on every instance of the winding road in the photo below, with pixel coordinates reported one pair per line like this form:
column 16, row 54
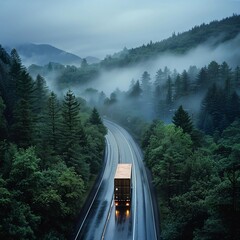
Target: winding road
column 102, row 220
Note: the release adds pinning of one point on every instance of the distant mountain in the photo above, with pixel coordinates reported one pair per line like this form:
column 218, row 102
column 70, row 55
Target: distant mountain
column 92, row 60
column 42, row 54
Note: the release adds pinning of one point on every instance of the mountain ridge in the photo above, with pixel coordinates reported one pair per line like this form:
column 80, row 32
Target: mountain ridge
column 42, row 54
column 219, row 31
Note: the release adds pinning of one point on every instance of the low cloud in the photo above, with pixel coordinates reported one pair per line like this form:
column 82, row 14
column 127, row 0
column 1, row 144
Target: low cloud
column 200, row 56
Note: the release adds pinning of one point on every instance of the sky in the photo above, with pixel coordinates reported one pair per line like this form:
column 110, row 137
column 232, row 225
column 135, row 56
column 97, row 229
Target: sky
column 102, row 27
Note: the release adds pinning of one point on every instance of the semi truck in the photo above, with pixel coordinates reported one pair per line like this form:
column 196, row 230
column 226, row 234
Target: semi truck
column 123, row 185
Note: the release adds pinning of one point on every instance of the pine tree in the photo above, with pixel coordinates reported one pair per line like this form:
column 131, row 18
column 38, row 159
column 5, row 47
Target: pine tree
column 52, row 130
column 159, row 78
column 70, row 115
column 213, row 110
column 237, row 77
column 23, row 120
column 23, row 127
column 3, row 122
column 169, row 97
column 40, row 94
column 156, row 102
column 74, row 139
column 95, row 118
column 146, row 84
column 225, row 72
column 185, row 83
column 182, row 119
column 135, row 91
column 202, row 78
column 178, row 87
column 213, row 72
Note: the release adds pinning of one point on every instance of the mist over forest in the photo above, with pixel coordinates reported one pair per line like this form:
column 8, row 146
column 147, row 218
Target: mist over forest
column 109, row 84
column 179, row 98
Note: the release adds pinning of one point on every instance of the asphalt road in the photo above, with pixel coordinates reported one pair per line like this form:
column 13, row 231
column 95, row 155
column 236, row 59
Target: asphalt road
column 102, row 220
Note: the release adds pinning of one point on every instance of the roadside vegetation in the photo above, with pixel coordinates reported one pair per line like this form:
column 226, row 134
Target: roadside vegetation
column 50, row 149
column 197, row 178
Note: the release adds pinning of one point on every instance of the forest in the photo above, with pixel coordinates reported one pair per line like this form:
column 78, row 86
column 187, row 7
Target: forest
column 197, row 178
column 187, row 122
column 51, row 151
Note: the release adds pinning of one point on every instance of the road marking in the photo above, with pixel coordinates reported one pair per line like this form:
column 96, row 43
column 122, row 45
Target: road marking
column 108, row 217
column 135, row 181
column 150, row 193
column 145, row 175
column 80, row 228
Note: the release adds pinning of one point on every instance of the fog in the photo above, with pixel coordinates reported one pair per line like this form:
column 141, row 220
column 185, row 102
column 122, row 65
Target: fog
column 199, row 57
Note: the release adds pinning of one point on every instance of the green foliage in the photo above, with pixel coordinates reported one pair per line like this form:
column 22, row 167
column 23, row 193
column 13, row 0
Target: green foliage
column 219, row 109
column 95, row 118
column 182, row 119
column 46, row 154
column 178, row 43
column 198, row 187
column 3, row 122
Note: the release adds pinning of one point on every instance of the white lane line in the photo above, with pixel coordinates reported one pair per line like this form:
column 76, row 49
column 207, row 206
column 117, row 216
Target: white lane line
column 80, row 228
column 138, row 152
column 108, row 217
column 135, row 182
column 112, row 203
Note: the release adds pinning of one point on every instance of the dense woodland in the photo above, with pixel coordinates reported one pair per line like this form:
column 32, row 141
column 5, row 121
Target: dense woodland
column 195, row 157
column 210, row 95
column 51, row 149
column 188, row 124
column 197, row 178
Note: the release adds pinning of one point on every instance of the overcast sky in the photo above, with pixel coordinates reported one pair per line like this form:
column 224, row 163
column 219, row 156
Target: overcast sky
column 101, row 27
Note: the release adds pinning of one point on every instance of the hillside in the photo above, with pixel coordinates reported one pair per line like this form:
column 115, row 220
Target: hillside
column 41, row 54
column 213, row 33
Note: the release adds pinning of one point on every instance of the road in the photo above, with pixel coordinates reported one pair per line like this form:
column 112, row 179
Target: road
column 102, row 221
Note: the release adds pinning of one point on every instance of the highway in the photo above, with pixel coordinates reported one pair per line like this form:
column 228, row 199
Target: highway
column 102, row 220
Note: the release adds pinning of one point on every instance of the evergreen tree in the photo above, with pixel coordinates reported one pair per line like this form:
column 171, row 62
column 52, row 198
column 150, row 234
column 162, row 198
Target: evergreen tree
column 225, row 72
column 74, row 139
column 156, row 102
column 71, row 121
column 53, row 118
column 166, row 73
column 213, row 110
column 185, row 83
column 159, row 78
column 233, row 108
column 95, row 119
column 213, row 72
column 23, row 127
column 178, row 87
column 192, row 73
column 202, row 78
column 169, row 97
column 3, row 122
column 236, row 77
column 40, row 94
column 182, row 119
column 146, row 84
column 136, row 90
